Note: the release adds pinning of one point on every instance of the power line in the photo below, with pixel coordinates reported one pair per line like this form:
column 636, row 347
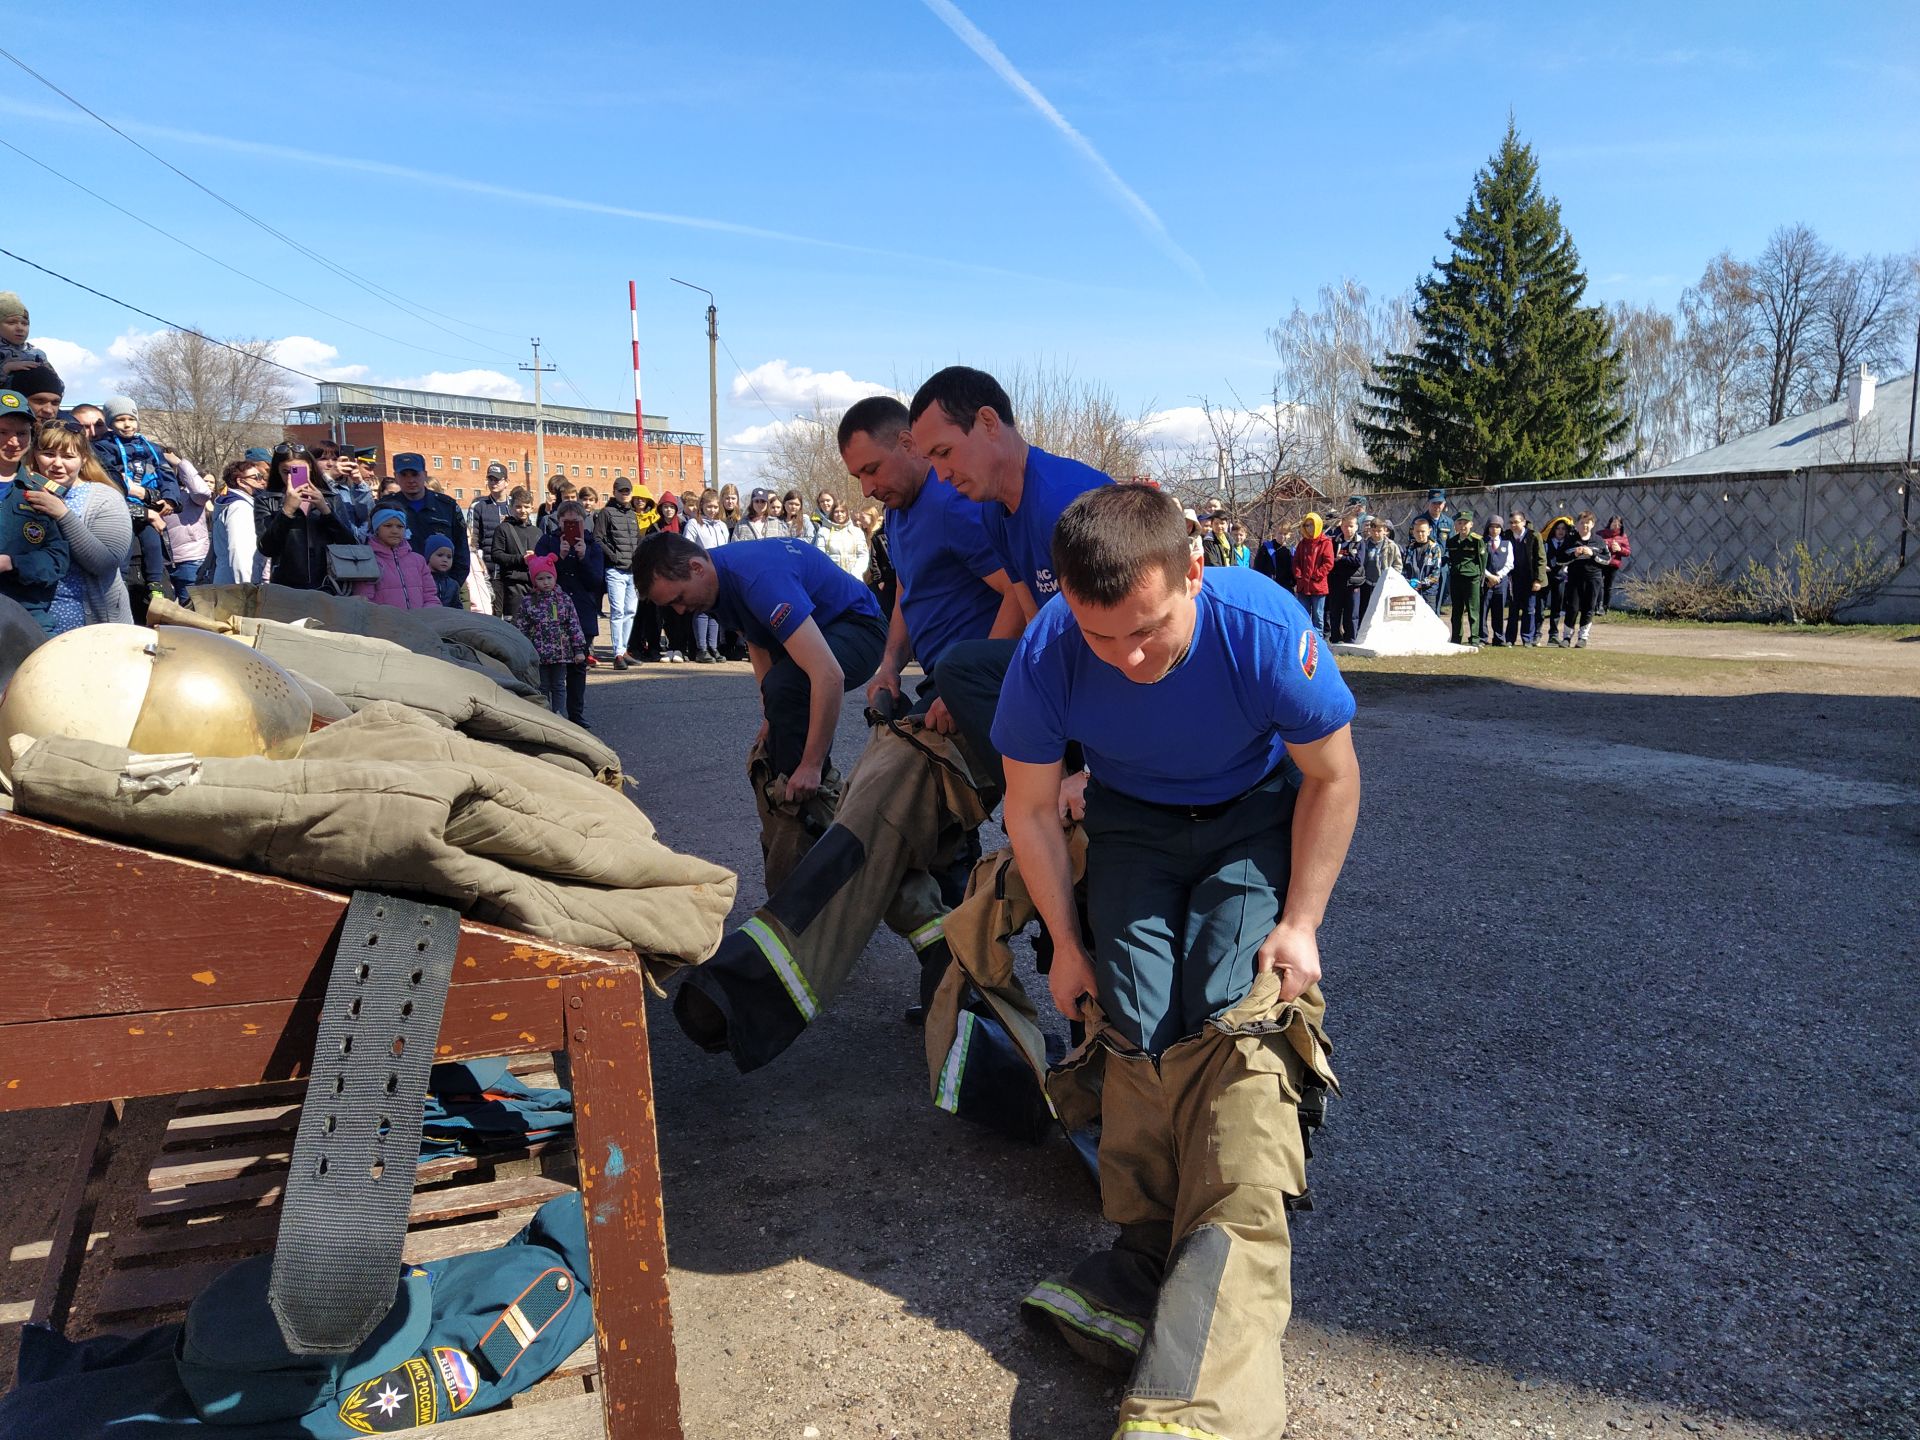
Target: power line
column 377, row 291
column 750, row 385
column 171, row 325
column 234, row 269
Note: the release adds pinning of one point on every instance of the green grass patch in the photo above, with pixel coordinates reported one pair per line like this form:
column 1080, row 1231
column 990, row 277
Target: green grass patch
column 1773, row 627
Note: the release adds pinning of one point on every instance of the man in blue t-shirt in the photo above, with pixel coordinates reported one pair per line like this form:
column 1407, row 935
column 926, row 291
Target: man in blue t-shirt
column 1217, row 728
column 812, row 632
column 952, row 585
column 963, row 423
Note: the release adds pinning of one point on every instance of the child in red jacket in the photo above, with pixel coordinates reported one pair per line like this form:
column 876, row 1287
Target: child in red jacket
column 1312, row 564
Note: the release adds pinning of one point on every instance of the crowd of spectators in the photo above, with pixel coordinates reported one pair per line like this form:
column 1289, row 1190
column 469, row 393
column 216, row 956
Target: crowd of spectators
column 1500, row 582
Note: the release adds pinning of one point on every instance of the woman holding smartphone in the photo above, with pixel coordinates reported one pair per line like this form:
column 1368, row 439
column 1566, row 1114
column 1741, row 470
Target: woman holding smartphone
column 296, row 521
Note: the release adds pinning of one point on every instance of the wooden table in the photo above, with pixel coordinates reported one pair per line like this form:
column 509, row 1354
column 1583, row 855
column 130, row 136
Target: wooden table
column 132, row 973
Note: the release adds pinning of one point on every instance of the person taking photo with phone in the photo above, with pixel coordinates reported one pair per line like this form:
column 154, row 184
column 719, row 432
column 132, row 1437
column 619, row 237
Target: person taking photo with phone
column 295, row 520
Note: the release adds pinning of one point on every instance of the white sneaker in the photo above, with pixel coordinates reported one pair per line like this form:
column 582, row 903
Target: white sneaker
column 673, row 657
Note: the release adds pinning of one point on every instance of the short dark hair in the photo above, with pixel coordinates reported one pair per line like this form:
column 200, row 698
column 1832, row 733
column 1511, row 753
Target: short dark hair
column 880, row 416
column 663, row 553
column 961, row 391
column 520, row 496
column 1113, row 537
column 324, row 450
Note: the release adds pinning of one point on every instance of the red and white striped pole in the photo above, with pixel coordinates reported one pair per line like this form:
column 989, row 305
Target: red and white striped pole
column 639, row 420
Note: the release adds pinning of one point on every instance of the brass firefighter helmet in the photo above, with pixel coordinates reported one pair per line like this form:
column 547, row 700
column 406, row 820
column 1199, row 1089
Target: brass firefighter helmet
column 159, row 692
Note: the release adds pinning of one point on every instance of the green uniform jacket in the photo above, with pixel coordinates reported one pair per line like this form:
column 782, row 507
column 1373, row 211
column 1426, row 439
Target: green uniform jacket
column 1466, row 556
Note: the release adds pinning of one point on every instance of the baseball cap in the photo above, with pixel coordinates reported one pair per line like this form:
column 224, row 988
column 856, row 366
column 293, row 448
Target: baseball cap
column 409, row 461
column 623, row 486
column 761, row 493
column 495, row 470
column 12, row 402
column 1436, row 494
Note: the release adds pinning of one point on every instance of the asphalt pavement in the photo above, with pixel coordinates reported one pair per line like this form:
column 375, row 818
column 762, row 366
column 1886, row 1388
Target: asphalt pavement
column 1622, row 990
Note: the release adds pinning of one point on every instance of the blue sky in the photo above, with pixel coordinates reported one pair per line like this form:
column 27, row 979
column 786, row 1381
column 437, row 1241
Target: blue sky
column 872, row 190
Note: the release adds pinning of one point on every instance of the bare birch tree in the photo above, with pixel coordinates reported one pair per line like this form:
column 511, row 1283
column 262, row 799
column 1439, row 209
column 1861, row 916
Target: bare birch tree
column 1327, row 357
column 1865, row 317
column 1720, row 346
column 209, row 401
column 1788, row 281
column 1656, row 395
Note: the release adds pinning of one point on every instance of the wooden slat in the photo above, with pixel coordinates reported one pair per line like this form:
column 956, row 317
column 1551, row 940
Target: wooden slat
column 73, row 1227
column 65, row 1062
column 101, row 946
column 441, row 1241
column 520, row 1192
column 579, row 1417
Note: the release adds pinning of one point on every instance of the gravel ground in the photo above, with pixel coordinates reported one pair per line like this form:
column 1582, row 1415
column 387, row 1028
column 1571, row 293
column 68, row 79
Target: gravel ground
column 1620, row 976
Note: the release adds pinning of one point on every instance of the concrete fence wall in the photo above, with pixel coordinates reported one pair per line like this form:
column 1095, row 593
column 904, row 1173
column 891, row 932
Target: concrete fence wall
column 1726, row 519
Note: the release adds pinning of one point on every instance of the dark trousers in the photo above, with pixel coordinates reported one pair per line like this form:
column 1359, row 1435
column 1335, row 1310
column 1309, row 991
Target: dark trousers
column 969, row 677
column 553, row 686
column 1583, row 596
column 1362, row 598
column 1463, row 594
column 1493, row 611
column 1523, row 613
column 1556, row 599
column 1179, row 906
column 1607, row 577
column 786, row 694
column 1342, row 620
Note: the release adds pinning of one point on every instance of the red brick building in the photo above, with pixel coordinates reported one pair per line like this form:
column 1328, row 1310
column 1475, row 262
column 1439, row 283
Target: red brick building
column 460, row 435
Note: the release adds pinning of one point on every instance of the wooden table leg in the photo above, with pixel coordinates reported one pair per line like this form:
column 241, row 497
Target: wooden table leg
column 620, row 1190
column 74, row 1227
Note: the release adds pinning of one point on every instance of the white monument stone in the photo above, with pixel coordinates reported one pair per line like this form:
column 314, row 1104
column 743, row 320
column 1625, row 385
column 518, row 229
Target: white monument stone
column 1399, row 622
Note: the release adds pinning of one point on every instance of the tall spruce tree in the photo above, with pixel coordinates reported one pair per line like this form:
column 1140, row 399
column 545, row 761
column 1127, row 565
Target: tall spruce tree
column 1512, row 378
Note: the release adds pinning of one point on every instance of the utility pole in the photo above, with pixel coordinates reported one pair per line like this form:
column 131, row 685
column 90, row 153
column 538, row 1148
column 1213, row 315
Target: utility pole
column 713, row 383
column 539, row 418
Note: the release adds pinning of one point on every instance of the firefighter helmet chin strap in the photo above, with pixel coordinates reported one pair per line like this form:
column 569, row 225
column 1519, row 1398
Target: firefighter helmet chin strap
column 343, row 1219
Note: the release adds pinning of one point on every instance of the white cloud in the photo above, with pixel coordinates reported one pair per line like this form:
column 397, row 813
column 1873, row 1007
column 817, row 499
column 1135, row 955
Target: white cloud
column 73, row 360
column 316, row 357
column 788, row 388
column 756, row 437
column 1186, row 426
column 127, row 344
column 485, row 384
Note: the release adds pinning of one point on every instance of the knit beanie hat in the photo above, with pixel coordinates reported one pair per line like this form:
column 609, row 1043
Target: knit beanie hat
column 119, row 405
column 40, row 380
column 435, row 542
column 384, row 514
column 259, row 455
column 12, row 307
column 538, row 565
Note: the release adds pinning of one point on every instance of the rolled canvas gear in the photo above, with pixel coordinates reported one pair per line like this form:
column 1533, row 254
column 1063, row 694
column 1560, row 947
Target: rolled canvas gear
column 157, row 692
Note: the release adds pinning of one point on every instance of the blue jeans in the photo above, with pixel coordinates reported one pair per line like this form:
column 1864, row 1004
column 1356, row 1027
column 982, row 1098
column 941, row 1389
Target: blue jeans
column 190, row 572
column 1316, row 610
column 706, row 635
column 621, row 598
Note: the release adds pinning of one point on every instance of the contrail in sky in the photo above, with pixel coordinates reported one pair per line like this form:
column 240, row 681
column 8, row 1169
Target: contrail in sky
column 976, row 40
column 507, row 192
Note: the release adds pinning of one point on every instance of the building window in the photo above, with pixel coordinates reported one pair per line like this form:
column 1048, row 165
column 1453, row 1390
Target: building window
column 456, row 462
column 436, row 462
column 576, row 470
column 513, row 467
column 459, row 493
column 475, row 462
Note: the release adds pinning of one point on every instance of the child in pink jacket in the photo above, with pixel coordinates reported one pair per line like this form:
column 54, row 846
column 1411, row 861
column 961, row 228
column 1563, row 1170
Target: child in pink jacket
column 405, row 581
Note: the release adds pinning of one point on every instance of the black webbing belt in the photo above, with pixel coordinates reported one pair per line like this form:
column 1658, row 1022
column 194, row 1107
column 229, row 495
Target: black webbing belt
column 343, row 1219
